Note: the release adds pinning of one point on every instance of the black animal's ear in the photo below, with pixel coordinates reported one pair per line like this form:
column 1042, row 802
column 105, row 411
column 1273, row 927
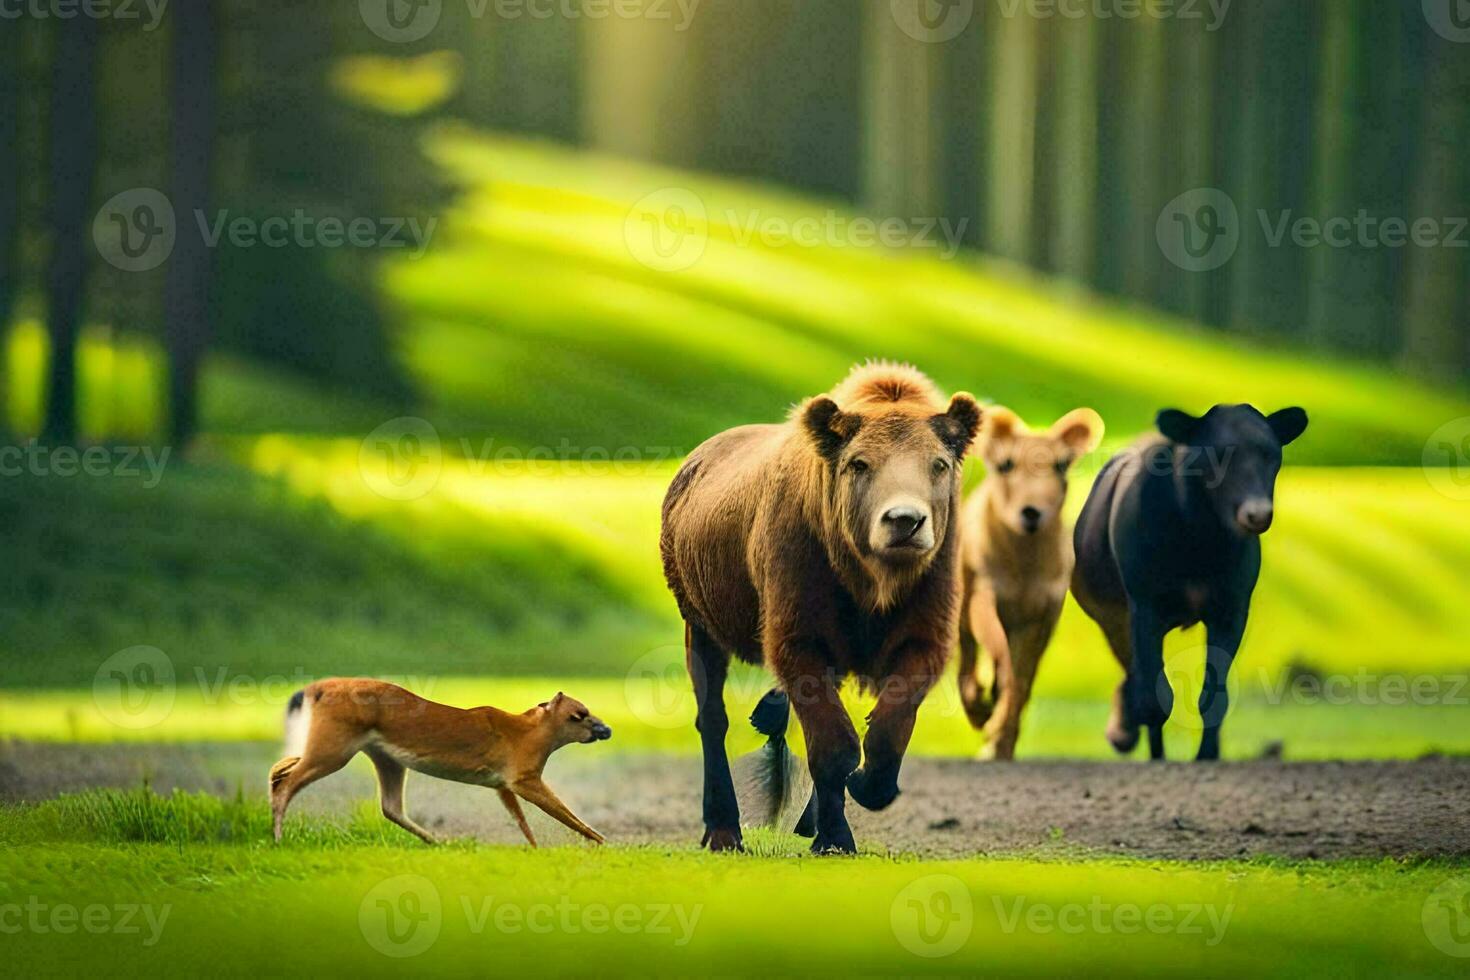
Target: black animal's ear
column 958, row 426
column 1288, row 424
column 829, row 427
column 1176, row 426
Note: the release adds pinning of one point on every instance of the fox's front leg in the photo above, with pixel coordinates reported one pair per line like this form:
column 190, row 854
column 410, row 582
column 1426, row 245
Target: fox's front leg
column 533, row 790
column 514, row 806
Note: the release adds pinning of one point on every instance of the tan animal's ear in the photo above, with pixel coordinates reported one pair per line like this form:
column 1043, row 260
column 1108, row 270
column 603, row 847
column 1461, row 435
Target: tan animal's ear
column 829, row 427
column 1081, row 429
column 1000, row 423
column 958, row 426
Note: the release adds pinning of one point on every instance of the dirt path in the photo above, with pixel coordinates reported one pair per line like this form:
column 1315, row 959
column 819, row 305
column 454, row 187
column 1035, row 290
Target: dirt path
column 949, row 807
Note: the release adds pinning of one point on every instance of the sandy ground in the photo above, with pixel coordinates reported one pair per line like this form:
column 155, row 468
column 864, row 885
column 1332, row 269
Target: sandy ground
column 948, row 808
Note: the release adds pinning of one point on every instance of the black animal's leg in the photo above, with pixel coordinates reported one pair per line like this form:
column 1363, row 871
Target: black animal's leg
column 708, row 665
column 1214, row 697
column 1148, row 697
column 832, row 751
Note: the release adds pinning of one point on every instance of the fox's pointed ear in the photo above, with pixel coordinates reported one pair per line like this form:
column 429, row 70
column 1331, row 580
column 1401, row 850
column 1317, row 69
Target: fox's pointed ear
column 1288, row 424
column 560, row 697
column 1176, row 426
column 959, row 424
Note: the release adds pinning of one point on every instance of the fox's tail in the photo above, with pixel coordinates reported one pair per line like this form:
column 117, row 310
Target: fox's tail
column 773, row 775
column 298, row 720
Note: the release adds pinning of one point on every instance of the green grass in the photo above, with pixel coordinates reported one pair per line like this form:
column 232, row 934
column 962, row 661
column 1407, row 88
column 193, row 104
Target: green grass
column 205, row 892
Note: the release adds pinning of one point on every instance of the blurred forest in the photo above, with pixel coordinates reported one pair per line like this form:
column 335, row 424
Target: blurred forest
column 1057, row 139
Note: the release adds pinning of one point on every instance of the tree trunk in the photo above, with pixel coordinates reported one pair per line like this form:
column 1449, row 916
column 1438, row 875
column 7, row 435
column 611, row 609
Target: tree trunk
column 1435, row 293
column 186, row 290
column 73, row 163
column 1010, row 199
column 1074, row 173
column 9, row 172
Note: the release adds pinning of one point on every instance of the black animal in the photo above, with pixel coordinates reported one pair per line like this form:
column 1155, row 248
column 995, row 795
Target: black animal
column 1170, row 537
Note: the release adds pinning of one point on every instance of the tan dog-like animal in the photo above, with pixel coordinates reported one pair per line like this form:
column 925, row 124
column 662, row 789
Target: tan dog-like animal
column 1017, row 563
column 331, row 721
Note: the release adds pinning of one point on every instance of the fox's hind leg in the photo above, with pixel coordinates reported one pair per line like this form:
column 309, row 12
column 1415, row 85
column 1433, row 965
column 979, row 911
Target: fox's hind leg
column 391, row 777
column 292, row 774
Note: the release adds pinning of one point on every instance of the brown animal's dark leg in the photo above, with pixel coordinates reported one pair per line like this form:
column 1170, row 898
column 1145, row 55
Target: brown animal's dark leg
column 1224, row 638
column 832, row 750
column 890, row 726
column 514, row 806
column 316, row 763
column 708, row 666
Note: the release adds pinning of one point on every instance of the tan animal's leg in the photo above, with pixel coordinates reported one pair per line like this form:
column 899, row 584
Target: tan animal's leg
column 391, row 777
column 514, row 806
column 1027, row 646
column 287, row 780
column 972, row 695
column 533, row 790
column 986, row 626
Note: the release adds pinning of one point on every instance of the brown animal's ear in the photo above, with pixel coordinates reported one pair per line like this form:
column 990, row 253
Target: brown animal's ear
column 1288, row 424
column 1080, row 429
column 958, row 426
column 830, row 428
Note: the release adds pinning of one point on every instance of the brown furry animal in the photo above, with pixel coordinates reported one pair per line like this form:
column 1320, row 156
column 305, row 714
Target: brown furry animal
column 823, row 548
column 1017, row 559
column 329, row 722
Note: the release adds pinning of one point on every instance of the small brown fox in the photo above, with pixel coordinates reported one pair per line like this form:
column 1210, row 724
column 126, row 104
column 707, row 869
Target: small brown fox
column 330, row 721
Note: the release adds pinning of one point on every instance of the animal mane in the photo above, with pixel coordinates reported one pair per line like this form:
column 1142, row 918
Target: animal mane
column 881, row 384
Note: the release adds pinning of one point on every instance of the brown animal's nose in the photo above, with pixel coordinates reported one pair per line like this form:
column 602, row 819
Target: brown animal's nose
column 903, row 523
column 1030, row 519
column 1255, row 515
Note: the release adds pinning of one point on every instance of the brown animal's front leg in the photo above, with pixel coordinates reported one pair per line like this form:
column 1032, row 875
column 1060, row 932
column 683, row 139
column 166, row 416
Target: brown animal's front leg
column 708, row 666
column 832, row 750
column 514, row 806
column 533, row 790
column 891, row 724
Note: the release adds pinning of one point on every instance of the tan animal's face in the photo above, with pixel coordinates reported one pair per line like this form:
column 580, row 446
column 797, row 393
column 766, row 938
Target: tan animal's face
column 1027, row 471
column 573, row 722
column 895, row 475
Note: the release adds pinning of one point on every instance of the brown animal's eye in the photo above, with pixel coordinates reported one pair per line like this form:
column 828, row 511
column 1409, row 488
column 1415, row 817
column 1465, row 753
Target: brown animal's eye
column 858, row 466
column 581, row 717
column 941, row 466
column 1006, row 465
